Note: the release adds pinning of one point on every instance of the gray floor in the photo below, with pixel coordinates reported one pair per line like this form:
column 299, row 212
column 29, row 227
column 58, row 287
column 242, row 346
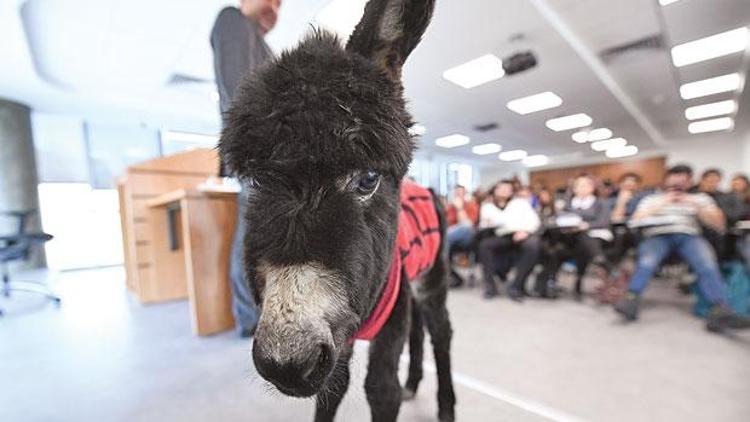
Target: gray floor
column 103, row 357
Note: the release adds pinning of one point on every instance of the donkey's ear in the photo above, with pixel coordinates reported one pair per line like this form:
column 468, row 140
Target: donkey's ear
column 389, row 31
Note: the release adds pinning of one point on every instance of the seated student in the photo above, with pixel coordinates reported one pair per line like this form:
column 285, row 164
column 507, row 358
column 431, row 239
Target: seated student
column 514, row 224
column 741, row 191
column 729, row 204
column 462, row 216
column 679, row 231
column 583, row 242
column 626, row 199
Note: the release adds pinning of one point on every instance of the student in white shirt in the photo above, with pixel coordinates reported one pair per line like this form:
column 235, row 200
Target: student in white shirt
column 515, row 239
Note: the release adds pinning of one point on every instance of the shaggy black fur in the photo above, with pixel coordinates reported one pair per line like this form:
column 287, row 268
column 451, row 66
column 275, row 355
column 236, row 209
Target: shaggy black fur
column 302, row 134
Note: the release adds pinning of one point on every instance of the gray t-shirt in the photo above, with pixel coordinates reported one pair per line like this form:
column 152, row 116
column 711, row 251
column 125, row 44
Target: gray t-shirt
column 675, row 217
column 239, row 48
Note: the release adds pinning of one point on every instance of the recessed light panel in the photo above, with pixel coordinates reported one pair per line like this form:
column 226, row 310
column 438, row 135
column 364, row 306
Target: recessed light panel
column 574, row 121
column 513, row 155
column 711, row 86
column 581, row 137
column 534, row 103
column 417, row 130
column 667, row 2
column 711, row 47
column 452, row 141
column 711, row 110
column 713, row 125
column 600, row 146
column 597, row 134
column 484, row 149
column 476, row 72
column 620, row 152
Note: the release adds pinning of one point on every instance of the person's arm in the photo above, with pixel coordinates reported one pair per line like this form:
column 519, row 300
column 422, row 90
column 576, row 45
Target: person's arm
column 709, row 213
column 620, row 210
column 231, row 40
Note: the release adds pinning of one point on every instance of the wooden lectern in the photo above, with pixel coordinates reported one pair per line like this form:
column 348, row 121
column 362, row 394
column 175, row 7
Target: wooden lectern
column 177, row 239
column 192, row 234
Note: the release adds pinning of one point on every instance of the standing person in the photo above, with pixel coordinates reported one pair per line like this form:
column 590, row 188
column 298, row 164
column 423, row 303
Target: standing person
column 680, row 233
column 515, row 225
column 238, row 44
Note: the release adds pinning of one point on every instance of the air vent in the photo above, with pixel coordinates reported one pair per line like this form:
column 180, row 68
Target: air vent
column 181, row 79
column 653, row 42
column 486, row 127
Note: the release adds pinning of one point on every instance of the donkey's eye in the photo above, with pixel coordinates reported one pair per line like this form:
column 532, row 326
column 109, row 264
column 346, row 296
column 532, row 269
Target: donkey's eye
column 368, row 182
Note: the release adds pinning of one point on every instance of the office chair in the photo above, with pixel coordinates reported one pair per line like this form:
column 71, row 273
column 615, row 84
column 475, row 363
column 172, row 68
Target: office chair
column 18, row 247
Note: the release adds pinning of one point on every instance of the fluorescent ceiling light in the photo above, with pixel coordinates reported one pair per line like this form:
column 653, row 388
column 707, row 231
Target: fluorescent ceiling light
column 713, row 125
column 341, row 16
column 574, row 121
column 598, row 134
column 513, row 155
column 581, row 137
column 667, row 2
column 711, row 86
column 711, row 110
column 417, row 130
column 476, row 72
column 452, row 141
column 534, row 103
column 711, row 47
column 600, row 146
column 536, row 160
column 484, row 149
column 620, row 152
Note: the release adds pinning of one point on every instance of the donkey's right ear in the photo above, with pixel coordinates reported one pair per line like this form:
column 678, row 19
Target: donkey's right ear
column 389, row 31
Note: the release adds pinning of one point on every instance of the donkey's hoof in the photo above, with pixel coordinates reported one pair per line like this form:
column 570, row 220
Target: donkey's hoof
column 446, row 416
column 407, row 394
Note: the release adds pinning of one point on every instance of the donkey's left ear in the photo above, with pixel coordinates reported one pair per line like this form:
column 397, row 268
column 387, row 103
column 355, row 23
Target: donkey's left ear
column 389, row 31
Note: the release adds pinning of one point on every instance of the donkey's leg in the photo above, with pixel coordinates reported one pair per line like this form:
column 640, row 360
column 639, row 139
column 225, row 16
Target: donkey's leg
column 329, row 398
column 416, row 353
column 435, row 314
column 381, row 384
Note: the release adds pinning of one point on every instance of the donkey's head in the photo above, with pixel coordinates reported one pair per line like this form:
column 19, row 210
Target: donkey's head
column 320, row 141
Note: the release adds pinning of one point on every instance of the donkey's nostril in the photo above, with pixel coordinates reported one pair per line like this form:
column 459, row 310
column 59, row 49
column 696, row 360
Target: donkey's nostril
column 320, row 362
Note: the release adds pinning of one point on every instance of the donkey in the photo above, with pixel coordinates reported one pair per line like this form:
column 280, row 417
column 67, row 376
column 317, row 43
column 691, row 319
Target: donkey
column 319, row 139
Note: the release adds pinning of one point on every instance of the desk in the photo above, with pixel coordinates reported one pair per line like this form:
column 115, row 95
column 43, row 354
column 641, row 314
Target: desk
column 191, row 232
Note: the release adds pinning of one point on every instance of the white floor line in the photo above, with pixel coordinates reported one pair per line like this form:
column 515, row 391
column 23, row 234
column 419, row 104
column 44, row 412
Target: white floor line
column 496, row 393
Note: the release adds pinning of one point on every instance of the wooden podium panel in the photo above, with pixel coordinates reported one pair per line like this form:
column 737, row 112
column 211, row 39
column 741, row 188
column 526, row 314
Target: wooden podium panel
column 192, row 235
column 141, row 183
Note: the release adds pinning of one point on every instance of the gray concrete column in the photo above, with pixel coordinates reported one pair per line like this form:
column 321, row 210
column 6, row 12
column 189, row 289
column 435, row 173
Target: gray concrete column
column 18, row 175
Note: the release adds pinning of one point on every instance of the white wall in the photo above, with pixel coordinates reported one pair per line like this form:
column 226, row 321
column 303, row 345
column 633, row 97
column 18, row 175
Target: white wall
column 60, row 148
column 488, row 176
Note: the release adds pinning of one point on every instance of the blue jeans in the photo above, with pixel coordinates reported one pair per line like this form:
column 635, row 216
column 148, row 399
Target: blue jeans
column 460, row 237
column 243, row 305
column 694, row 250
column 743, row 246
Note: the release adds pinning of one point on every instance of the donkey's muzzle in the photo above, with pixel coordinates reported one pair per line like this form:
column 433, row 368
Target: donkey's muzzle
column 298, row 373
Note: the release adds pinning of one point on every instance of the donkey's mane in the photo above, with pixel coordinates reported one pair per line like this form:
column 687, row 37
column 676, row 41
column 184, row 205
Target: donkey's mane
column 318, row 108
